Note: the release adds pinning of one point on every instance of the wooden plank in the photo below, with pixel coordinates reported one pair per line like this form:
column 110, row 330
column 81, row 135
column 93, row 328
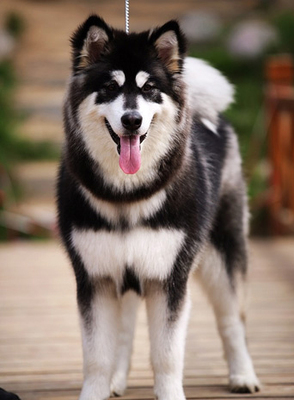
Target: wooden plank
column 40, row 344
column 145, row 393
column 60, row 382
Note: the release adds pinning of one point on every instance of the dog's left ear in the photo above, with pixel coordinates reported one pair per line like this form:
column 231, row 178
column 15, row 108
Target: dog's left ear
column 170, row 44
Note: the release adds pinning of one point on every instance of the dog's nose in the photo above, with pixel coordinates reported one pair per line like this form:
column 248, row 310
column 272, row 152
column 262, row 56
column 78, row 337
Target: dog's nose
column 131, row 120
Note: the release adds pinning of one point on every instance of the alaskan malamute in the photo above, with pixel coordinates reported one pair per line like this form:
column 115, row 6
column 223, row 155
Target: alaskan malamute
column 150, row 189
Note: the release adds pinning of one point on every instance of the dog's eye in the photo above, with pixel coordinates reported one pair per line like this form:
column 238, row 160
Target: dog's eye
column 148, row 87
column 112, row 86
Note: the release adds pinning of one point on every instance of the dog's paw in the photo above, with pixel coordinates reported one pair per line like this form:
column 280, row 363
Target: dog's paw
column 170, row 392
column 245, row 383
column 118, row 384
column 95, row 389
column 172, row 397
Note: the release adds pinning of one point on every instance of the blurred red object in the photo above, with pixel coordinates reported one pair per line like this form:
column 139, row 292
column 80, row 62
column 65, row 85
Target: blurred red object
column 280, row 114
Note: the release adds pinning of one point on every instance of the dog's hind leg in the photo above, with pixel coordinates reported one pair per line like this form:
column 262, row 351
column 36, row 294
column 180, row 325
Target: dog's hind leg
column 99, row 325
column 221, row 289
column 167, row 330
column 128, row 312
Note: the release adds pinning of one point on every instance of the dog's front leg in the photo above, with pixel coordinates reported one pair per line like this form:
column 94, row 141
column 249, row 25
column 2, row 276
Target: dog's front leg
column 99, row 334
column 167, row 330
column 128, row 310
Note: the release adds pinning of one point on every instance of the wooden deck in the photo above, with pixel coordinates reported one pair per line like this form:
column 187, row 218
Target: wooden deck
column 40, row 351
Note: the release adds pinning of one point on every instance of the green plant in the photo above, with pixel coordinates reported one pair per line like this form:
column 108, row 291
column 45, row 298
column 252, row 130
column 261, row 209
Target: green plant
column 284, row 23
column 15, row 24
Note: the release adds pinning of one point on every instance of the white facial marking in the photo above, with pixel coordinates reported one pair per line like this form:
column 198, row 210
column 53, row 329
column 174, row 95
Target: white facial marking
column 162, row 131
column 148, row 110
column 150, row 253
column 113, row 112
column 141, row 78
column 119, row 77
column 94, row 132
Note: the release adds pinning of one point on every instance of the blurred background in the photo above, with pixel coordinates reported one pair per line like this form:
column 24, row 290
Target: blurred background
column 250, row 41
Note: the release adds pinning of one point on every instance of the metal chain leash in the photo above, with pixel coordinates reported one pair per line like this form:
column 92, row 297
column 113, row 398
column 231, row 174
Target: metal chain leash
column 127, row 14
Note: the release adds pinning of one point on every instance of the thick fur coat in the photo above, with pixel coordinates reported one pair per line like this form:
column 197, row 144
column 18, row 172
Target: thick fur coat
column 150, row 188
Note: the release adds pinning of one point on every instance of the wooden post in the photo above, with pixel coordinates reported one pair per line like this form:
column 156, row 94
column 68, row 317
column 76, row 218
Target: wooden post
column 280, row 114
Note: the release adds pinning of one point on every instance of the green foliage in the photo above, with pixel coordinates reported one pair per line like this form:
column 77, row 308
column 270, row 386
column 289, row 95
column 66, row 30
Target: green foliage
column 7, row 113
column 284, row 24
column 12, row 147
column 43, row 150
column 15, row 24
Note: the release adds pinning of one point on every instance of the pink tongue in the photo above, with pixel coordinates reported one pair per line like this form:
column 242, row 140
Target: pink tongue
column 130, row 155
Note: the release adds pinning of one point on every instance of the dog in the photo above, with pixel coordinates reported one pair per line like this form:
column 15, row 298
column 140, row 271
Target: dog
column 150, row 189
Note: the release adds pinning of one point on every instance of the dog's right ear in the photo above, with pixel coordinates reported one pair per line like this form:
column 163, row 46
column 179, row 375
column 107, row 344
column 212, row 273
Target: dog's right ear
column 89, row 42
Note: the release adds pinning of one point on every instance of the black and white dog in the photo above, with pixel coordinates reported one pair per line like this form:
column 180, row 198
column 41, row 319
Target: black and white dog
column 150, row 189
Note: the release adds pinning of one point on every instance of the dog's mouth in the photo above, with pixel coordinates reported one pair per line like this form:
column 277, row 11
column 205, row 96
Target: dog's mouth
column 128, row 148
column 113, row 135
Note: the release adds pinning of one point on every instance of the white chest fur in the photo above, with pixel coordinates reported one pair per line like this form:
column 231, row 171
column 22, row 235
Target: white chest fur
column 150, row 253
column 133, row 213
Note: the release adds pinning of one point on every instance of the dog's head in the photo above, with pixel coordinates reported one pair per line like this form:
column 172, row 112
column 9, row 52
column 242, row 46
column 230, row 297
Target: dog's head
column 126, row 93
